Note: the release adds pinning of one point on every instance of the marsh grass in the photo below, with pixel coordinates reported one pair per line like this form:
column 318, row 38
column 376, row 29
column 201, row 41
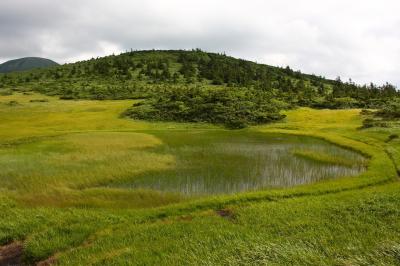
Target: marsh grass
column 333, row 159
column 78, row 159
column 342, row 221
column 225, row 162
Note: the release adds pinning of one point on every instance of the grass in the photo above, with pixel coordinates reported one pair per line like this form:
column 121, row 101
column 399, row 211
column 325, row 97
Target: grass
column 324, row 158
column 353, row 228
column 56, row 155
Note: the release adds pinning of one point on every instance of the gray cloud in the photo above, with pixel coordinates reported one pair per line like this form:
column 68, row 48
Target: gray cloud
column 357, row 39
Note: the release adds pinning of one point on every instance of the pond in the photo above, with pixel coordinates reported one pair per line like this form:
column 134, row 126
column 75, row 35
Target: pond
column 225, row 162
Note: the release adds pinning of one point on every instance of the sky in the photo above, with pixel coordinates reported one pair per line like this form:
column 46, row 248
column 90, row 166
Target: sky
column 357, row 39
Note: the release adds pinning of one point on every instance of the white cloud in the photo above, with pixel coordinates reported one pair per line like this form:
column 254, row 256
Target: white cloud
column 353, row 38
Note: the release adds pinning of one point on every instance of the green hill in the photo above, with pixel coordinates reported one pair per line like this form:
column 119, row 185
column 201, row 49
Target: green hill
column 198, row 86
column 27, row 63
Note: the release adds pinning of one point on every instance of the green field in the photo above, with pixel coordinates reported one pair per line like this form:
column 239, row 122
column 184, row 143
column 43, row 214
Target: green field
column 83, row 186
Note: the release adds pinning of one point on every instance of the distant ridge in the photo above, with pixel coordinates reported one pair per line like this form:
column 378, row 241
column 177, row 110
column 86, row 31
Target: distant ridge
column 26, row 63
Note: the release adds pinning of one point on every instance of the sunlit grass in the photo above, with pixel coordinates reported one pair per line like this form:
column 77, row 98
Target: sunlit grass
column 79, row 160
column 28, row 120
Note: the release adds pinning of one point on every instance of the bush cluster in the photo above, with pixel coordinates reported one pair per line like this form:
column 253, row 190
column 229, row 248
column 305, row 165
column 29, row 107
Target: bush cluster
column 233, row 108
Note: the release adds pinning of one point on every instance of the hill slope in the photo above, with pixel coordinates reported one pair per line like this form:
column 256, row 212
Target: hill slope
column 26, row 63
column 198, row 86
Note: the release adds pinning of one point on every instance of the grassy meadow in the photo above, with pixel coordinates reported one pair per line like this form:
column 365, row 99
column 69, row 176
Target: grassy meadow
column 77, row 186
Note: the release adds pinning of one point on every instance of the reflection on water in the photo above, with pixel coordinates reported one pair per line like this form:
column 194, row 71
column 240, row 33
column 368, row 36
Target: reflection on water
column 225, row 162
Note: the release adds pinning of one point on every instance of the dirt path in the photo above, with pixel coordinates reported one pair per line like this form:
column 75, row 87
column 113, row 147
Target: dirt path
column 11, row 254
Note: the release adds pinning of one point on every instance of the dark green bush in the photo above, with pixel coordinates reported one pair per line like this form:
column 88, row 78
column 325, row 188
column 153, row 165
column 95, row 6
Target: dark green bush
column 390, row 111
column 5, row 92
column 370, row 122
column 234, row 108
column 366, row 112
column 39, row 100
column 392, row 137
column 13, row 103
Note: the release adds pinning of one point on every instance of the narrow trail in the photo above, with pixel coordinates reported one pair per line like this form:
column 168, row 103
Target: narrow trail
column 11, row 254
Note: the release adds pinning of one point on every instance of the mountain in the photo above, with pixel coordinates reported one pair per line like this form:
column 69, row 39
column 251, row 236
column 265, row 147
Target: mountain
column 26, row 63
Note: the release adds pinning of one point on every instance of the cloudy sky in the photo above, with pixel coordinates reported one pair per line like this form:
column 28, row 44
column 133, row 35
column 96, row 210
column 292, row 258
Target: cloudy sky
column 348, row 38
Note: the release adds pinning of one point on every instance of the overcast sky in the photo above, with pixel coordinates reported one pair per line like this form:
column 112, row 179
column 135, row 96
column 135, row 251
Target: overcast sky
column 348, row 38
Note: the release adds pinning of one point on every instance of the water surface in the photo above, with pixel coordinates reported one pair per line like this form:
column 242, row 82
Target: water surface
column 224, row 162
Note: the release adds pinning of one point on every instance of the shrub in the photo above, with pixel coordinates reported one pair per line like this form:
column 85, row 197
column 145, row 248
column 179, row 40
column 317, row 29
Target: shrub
column 338, row 103
column 234, row 108
column 67, row 97
column 370, row 122
column 39, row 100
column 6, row 92
column 366, row 112
column 392, row 137
column 13, row 103
column 390, row 111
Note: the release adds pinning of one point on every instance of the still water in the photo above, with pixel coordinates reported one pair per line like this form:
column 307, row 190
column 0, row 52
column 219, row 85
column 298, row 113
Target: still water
column 228, row 161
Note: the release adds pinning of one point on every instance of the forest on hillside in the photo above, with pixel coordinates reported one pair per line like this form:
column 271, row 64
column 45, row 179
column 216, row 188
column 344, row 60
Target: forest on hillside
column 197, row 86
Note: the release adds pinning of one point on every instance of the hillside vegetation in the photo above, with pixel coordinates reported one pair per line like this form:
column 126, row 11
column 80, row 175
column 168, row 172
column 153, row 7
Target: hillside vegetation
column 195, row 86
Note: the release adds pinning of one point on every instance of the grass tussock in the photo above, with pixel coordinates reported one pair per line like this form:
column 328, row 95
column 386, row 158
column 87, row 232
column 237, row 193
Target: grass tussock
column 324, row 158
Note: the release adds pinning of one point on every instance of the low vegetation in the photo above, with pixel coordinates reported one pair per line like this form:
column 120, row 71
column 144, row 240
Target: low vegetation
column 178, row 85
column 390, row 111
column 99, row 225
column 232, row 108
column 387, row 116
column 74, row 137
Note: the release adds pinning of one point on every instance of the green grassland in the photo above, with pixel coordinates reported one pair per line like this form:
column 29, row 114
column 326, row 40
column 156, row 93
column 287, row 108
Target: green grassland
column 56, row 156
